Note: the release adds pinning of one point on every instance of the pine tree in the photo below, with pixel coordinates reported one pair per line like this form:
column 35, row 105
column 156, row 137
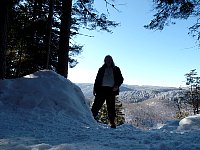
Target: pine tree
column 119, row 112
column 194, row 93
column 103, row 114
column 168, row 11
column 40, row 34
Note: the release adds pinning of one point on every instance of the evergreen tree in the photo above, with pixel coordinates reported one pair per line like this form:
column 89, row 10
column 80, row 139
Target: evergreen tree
column 119, row 112
column 167, row 11
column 103, row 113
column 84, row 14
column 63, row 51
column 193, row 94
column 35, row 35
column 4, row 12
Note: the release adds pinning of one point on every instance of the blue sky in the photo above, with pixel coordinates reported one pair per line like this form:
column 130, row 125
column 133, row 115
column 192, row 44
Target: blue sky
column 145, row 57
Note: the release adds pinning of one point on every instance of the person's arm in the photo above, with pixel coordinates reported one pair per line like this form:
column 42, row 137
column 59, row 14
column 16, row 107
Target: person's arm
column 119, row 77
column 97, row 81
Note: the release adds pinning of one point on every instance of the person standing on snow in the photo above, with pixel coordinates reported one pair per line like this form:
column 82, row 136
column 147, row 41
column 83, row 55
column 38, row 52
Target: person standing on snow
column 106, row 87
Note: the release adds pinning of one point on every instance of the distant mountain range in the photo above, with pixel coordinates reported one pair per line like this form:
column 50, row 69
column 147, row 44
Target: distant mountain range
column 135, row 93
column 144, row 106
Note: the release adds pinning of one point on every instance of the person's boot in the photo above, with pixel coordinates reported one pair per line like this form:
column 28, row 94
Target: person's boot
column 112, row 123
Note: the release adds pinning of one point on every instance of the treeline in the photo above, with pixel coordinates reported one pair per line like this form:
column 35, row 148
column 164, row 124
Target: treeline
column 37, row 34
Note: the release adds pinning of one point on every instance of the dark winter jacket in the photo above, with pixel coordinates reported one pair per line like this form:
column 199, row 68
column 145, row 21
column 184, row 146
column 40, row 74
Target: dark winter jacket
column 118, row 78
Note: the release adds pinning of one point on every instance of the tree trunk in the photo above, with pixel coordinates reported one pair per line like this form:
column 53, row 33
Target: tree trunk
column 49, row 31
column 3, row 36
column 63, row 52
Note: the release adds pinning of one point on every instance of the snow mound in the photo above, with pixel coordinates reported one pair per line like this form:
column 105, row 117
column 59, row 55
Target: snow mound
column 44, row 111
column 190, row 123
column 44, row 90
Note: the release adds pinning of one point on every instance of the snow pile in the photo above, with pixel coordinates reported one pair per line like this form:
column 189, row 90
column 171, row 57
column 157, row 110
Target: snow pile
column 190, row 123
column 45, row 90
column 44, row 111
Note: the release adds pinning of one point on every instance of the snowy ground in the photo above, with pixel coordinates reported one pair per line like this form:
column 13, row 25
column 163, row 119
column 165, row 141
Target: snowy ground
column 44, row 111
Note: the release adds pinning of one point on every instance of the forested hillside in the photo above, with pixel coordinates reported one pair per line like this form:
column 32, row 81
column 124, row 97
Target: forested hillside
column 135, row 93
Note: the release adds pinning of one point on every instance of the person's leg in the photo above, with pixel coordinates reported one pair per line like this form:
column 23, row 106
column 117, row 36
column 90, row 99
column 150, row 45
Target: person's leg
column 110, row 101
column 98, row 102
